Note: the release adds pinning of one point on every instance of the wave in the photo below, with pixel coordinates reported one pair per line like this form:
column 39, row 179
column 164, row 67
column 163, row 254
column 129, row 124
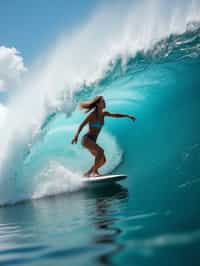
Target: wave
column 3, row 111
column 86, row 62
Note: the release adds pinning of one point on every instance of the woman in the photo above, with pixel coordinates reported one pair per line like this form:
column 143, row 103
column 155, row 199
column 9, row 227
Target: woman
column 95, row 119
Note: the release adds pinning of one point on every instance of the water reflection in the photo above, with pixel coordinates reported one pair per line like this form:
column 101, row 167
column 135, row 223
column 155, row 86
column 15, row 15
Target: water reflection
column 36, row 224
column 104, row 222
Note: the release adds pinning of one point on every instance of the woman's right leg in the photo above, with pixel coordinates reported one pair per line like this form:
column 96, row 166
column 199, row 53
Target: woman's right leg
column 96, row 151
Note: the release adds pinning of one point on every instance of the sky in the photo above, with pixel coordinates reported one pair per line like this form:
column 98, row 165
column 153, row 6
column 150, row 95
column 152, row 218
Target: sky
column 29, row 27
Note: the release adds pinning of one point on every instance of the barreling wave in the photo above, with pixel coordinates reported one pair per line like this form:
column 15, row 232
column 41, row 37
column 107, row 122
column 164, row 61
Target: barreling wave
column 121, row 63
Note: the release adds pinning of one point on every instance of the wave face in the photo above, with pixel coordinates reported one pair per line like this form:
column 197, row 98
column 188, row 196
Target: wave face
column 150, row 70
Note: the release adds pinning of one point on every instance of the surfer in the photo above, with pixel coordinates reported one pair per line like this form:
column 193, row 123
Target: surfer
column 95, row 120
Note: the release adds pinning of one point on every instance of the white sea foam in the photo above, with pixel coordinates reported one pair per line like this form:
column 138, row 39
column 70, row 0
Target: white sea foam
column 3, row 112
column 55, row 179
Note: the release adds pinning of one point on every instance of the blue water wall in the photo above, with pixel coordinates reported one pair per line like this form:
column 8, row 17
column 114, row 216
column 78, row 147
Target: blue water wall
column 161, row 88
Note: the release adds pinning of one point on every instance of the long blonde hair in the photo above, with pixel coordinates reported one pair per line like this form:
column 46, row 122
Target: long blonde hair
column 92, row 104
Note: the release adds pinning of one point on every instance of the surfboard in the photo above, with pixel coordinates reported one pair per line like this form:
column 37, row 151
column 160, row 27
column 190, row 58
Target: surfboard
column 104, row 179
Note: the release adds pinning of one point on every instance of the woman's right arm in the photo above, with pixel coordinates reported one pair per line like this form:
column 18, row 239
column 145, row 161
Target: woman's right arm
column 87, row 119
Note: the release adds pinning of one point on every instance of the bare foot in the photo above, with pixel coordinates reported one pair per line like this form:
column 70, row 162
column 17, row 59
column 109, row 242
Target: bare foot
column 96, row 174
column 88, row 173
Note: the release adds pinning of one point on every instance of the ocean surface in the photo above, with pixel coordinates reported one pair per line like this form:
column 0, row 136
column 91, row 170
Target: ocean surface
column 47, row 216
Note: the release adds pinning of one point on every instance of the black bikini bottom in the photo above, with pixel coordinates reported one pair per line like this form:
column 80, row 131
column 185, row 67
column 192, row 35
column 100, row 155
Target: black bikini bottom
column 90, row 136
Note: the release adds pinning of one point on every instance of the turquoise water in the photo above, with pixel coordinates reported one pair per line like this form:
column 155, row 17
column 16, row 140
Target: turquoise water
column 152, row 218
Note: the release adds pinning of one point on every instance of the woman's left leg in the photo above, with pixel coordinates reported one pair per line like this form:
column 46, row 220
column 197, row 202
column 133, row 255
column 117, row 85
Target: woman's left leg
column 97, row 152
column 100, row 160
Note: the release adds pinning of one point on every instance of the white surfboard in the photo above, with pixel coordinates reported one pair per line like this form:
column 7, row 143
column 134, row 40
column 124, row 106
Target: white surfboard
column 103, row 179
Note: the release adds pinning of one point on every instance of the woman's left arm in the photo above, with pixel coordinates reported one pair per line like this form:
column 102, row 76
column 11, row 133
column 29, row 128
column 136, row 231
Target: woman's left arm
column 117, row 115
